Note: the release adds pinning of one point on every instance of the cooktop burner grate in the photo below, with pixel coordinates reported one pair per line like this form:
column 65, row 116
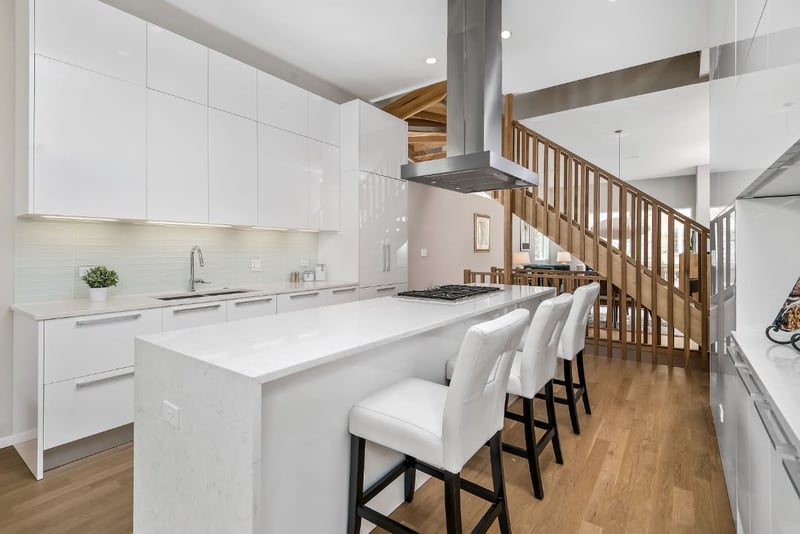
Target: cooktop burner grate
column 448, row 293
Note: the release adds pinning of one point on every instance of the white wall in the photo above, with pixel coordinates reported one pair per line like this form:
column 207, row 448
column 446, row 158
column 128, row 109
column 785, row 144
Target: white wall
column 442, row 222
column 6, row 208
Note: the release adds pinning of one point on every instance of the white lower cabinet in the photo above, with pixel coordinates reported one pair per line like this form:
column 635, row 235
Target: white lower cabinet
column 74, row 409
column 365, row 293
column 252, row 307
column 785, row 485
column 192, row 315
column 302, row 301
column 341, row 295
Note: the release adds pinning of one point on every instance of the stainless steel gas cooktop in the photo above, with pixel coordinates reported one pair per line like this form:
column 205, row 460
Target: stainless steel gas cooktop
column 448, row 293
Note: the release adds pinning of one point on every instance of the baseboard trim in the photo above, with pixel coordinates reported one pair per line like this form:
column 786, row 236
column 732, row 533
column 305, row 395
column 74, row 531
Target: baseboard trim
column 13, row 439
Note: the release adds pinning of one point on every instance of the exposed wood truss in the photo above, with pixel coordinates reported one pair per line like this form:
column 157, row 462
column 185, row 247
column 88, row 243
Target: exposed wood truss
column 425, row 110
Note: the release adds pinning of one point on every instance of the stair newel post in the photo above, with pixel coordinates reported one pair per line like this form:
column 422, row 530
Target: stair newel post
column 508, row 197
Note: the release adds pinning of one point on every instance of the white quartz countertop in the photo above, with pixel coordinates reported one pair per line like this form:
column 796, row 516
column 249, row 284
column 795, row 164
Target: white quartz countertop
column 271, row 347
column 778, row 369
column 41, row 311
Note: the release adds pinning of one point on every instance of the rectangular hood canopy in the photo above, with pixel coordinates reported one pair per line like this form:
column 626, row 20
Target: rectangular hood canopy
column 474, row 107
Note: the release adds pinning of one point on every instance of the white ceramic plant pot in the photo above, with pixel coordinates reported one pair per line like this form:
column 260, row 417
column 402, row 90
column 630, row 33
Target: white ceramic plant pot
column 98, row 294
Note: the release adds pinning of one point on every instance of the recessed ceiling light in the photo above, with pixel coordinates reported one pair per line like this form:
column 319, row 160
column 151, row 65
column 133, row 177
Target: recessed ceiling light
column 430, row 60
column 505, row 34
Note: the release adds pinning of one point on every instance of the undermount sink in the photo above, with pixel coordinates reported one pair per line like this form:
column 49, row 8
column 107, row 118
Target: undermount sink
column 195, row 295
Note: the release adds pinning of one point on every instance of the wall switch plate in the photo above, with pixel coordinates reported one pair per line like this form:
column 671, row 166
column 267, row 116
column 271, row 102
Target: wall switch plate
column 423, row 252
column 303, row 263
column 255, row 265
column 171, row 414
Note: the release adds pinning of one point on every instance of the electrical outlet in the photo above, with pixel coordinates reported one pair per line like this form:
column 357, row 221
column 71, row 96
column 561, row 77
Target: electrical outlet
column 255, row 265
column 82, row 270
column 423, row 252
column 303, row 263
column 171, row 414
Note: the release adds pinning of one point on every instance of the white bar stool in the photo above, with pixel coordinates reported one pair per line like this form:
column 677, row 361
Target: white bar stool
column 439, row 428
column 533, row 369
column 573, row 340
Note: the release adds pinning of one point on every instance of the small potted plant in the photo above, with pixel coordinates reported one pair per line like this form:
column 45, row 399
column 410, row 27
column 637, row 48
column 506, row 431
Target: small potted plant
column 99, row 279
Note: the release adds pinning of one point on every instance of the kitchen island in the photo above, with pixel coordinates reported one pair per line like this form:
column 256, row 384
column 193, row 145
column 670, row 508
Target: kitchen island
column 242, row 426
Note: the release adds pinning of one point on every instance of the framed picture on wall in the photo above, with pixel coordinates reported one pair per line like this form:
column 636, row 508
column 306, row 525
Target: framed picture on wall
column 482, row 231
column 524, row 235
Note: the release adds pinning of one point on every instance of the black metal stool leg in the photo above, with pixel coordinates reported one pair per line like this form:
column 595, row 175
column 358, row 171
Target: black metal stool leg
column 498, row 480
column 530, row 447
column 452, row 502
column 551, row 420
column 582, row 378
column 409, row 478
column 356, row 496
column 568, row 385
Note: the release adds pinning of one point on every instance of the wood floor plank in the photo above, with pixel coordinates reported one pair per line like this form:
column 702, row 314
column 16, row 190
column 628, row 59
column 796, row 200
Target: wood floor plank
column 646, row 462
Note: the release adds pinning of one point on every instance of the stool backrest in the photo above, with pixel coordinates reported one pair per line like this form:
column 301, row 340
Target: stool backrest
column 473, row 411
column 538, row 358
column 573, row 338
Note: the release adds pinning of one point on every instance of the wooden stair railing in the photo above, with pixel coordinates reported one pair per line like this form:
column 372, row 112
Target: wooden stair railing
column 649, row 251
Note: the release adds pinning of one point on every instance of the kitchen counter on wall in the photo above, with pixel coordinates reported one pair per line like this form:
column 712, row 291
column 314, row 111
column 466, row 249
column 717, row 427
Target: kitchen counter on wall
column 243, row 426
column 40, row 311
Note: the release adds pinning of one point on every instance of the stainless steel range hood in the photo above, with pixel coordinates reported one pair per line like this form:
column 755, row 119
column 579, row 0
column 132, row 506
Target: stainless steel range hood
column 474, row 107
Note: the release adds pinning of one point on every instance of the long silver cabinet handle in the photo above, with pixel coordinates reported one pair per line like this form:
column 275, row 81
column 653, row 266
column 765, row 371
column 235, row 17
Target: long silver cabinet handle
column 792, row 468
column 383, row 251
column 773, row 427
column 746, row 376
column 345, row 290
column 108, row 376
column 103, row 320
column 388, row 257
column 298, row 295
column 197, row 308
column 736, row 355
column 254, row 301
column 391, row 288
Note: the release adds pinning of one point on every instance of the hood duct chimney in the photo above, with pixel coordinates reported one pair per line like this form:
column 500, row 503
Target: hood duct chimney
column 474, row 107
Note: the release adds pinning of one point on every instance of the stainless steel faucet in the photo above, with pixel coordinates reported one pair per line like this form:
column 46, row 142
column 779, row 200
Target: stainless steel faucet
column 192, row 279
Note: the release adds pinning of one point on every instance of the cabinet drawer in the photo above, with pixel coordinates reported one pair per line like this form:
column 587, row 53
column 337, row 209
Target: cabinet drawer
column 79, row 346
column 191, row 315
column 341, row 295
column 301, row 301
column 375, row 292
column 252, row 307
column 75, row 409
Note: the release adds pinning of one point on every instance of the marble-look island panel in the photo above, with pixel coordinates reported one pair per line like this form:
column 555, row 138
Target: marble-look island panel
column 242, row 427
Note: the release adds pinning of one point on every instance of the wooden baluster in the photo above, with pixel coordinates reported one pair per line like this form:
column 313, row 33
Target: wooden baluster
column 705, row 300
column 584, row 212
column 671, row 288
column 687, row 317
column 623, row 249
column 655, row 318
column 638, row 243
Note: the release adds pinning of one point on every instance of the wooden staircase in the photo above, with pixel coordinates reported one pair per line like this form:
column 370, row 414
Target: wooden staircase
column 652, row 255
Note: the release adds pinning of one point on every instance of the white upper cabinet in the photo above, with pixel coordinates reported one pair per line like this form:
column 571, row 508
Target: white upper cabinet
column 233, row 169
column 232, row 85
column 282, row 105
column 383, row 141
column 176, row 65
column 92, row 35
column 324, row 185
column 89, row 144
column 177, row 159
column 323, row 119
column 283, row 179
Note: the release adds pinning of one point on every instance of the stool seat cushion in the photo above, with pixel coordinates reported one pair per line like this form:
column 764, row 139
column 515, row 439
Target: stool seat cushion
column 406, row 417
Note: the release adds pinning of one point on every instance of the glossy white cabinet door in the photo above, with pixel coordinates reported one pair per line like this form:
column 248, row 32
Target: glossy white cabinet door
column 191, row 315
column 90, row 143
column 759, row 452
column 232, row 85
column 176, row 65
column 383, row 141
column 324, row 185
column 341, row 295
column 323, row 119
column 282, row 105
column 383, row 231
column 177, row 159
column 375, row 292
column 283, row 179
column 233, row 169
column 92, row 35
column 785, row 480
column 247, row 308
column 302, row 301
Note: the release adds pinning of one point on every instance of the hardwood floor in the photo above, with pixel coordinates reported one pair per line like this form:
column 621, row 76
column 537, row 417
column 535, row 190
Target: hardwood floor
column 645, row 462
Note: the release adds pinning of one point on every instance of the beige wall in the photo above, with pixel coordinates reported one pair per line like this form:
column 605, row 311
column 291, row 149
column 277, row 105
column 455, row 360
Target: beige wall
column 442, row 222
column 6, row 208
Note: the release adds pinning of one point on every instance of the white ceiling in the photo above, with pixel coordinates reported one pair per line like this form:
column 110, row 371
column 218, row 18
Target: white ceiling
column 375, row 49
column 664, row 133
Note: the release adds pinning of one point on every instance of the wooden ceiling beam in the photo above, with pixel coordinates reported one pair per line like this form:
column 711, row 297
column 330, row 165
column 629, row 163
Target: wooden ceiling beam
column 429, row 157
column 428, row 116
column 418, row 100
column 413, row 122
column 427, row 137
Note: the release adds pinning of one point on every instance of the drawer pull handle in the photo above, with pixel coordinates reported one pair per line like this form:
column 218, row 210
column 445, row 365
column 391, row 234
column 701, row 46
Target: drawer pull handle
column 391, row 288
column 297, row 296
column 749, row 382
column 108, row 376
column 347, row 290
column 736, row 355
column 197, row 308
column 102, row 320
column 775, row 431
column 254, row 301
